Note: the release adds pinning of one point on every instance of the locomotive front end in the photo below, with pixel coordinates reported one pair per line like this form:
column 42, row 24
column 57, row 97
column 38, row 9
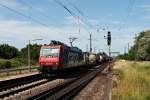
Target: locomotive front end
column 49, row 57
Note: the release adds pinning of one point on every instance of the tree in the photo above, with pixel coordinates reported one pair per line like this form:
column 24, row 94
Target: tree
column 8, row 52
column 141, row 48
column 34, row 52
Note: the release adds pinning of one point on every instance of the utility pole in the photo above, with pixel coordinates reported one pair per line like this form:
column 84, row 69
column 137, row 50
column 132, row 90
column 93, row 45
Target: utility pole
column 136, row 48
column 109, row 46
column 94, row 49
column 29, row 65
column 29, row 56
column 109, row 51
column 90, row 43
column 124, row 49
column 78, row 24
column 87, row 48
column 72, row 39
column 128, row 47
column 91, row 39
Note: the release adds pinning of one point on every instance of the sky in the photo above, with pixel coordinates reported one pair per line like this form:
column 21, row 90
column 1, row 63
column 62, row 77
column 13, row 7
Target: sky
column 24, row 20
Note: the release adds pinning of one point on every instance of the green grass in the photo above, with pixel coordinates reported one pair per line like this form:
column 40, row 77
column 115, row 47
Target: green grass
column 133, row 81
column 15, row 62
column 12, row 63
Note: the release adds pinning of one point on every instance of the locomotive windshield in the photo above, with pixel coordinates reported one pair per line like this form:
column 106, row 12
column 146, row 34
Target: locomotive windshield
column 50, row 52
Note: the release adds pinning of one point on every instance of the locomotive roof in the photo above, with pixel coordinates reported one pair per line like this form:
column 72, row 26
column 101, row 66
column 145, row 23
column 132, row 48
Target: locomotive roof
column 53, row 42
column 75, row 49
column 57, row 43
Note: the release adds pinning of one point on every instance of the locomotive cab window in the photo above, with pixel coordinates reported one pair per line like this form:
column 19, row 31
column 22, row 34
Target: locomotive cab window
column 50, row 52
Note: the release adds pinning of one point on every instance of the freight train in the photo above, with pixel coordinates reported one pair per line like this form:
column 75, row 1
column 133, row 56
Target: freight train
column 57, row 56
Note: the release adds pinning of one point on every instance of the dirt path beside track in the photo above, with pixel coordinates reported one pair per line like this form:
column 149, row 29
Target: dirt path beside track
column 98, row 89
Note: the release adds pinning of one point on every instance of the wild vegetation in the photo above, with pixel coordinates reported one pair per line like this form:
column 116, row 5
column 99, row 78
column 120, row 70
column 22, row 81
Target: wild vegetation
column 12, row 57
column 133, row 81
column 141, row 48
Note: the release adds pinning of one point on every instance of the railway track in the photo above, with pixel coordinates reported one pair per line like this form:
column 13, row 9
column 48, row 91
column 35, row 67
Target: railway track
column 31, row 90
column 51, row 89
column 10, row 88
column 7, row 84
column 68, row 91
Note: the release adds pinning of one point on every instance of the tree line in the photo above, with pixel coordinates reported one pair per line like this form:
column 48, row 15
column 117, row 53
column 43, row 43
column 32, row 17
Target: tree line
column 141, row 48
column 12, row 56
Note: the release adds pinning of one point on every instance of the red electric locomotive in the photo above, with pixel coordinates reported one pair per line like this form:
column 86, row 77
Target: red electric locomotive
column 58, row 56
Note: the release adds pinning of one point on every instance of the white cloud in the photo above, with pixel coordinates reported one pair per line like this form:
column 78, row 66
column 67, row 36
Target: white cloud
column 145, row 7
column 21, row 32
column 15, row 4
column 93, row 21
column 147, row 17
column 71, row 20
column 18, row 33
column 117, row 22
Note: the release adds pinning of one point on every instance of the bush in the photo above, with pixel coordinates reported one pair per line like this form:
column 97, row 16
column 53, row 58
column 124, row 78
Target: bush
column 7, row 64
column 16, row 62
column 8, row 52
column 1, row 65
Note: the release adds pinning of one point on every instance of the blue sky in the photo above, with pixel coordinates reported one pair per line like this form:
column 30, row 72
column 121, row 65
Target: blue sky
column 124, row 18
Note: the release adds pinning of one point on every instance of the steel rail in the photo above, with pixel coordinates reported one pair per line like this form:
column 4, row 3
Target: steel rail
column 7, row 84
column 22, row 88
column 16, row 69
column 67, row 91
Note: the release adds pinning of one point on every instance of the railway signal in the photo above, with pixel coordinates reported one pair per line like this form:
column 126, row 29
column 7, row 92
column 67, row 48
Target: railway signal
column 109, row 38
column 108, row 41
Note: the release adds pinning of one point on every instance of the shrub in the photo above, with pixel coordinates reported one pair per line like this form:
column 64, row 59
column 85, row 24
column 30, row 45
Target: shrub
column 7, row 64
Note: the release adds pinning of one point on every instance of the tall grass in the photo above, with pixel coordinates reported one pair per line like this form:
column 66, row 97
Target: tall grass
column 15, row 63
column 133, row 81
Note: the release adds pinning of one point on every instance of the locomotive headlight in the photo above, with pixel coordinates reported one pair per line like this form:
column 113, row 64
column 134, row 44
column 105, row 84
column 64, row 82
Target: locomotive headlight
column 56, row 63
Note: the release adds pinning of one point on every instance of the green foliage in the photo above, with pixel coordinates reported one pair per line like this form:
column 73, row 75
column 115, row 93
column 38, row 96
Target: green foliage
column 34, row 52
column 8, row 52
column 141, row 48
column 7, row 64
column 12, row 57
column 148, row 50
column 10, row 63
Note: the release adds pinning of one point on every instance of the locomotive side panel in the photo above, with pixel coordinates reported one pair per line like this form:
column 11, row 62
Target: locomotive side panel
column 75, row 58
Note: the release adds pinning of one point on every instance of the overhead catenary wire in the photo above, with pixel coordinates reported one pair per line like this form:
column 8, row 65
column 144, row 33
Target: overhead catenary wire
column 21, row 14
column 26, row 16
column 76, row 17
column 70, row 12
column 74, row 6
column 129, row 10
column 83, row 20
column 81, row 13
column 33, row 8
